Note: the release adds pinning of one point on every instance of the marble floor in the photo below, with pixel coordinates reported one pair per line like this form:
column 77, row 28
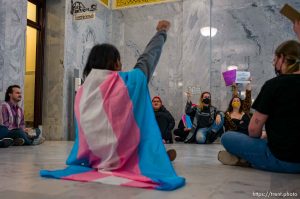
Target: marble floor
column 205, row 176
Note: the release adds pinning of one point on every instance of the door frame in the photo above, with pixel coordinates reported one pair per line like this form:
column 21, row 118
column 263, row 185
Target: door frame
column 39, row 70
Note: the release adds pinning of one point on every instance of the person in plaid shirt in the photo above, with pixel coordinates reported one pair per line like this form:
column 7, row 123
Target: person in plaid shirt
column 12, row 121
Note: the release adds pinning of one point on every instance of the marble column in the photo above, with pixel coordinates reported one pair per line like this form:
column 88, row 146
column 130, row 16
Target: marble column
column 53, row 84
column 12, row 43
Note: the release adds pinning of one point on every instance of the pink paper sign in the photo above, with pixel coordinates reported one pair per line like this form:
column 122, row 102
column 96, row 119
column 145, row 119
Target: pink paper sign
column 229, row 77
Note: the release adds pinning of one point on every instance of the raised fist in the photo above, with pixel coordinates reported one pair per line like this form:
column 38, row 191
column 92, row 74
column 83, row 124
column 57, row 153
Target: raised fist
column 163, row 25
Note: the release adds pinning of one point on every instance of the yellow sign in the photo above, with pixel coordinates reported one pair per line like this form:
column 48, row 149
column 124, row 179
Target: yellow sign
column 105, row 3
column 118, row 4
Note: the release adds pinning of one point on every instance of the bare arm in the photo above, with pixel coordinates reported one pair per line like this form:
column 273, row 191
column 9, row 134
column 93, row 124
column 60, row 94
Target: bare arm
column 257, row 122
column 297, row 28
column 234, row 90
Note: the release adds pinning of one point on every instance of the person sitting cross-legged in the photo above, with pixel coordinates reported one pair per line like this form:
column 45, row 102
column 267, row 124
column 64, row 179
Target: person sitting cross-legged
column 12, row 122
column 207, row 123
column 277, row 108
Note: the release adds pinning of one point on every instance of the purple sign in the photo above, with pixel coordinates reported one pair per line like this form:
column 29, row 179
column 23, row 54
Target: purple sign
column 229, row 77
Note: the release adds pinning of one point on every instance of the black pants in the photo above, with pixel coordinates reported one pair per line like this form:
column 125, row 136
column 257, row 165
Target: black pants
column 181, row 134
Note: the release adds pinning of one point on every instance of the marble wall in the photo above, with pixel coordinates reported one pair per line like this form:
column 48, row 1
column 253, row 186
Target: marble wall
column 80, row 37
column 68, row 43
column 248, row 33
column 12, row 43
column 185, row 59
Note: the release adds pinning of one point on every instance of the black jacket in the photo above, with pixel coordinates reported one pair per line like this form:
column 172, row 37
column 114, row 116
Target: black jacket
column 165, row 122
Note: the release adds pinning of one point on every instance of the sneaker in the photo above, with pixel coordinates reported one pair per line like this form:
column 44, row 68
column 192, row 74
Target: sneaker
column 19, row 142
column 6, row 142
column 172, row 154
column 232, row 160
column 38, row 140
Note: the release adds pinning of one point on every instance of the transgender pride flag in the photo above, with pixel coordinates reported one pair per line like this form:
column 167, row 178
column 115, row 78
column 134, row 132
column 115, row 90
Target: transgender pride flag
column 117, row 138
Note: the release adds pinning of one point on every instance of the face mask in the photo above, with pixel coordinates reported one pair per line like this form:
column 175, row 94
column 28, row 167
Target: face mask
column 236, row 104
column 206, row 100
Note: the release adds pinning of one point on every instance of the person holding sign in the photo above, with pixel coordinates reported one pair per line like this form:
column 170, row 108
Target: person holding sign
column 237, row 116
column 207, row 123
column 277, row 108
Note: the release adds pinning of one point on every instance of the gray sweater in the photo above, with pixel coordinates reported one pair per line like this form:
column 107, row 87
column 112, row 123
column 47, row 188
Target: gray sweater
column 148, row 60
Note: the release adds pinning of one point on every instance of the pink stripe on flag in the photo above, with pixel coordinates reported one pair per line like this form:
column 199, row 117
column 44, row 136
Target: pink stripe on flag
column 92, row 176
column 119, row 109
column 184, row 120
column 83, row 148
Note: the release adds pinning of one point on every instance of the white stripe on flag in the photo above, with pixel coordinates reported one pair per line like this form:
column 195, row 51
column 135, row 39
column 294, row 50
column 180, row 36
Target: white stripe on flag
column 112, row 180
column 98, row 131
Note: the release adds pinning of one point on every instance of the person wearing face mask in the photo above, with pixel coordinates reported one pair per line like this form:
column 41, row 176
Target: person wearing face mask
column 164, row 120
column 277, row 108
column 237, row 116
column 207, row 123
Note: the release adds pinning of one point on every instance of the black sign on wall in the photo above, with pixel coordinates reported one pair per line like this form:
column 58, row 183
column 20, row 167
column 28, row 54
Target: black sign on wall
column 79, row 7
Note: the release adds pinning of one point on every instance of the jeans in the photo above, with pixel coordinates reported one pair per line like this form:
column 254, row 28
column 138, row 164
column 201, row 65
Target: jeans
column 14, row 133
column 256, row 152
column 209, row 134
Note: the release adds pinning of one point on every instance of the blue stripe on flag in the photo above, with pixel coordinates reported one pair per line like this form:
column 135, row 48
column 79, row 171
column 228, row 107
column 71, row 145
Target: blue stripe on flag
column 153, row 159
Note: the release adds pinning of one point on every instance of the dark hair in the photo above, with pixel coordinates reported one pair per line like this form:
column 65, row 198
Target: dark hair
column 291, row 52
column 104, row 56
column 10, row 91
column 230, row 108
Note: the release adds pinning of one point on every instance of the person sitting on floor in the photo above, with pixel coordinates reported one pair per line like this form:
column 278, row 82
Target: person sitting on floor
column 237, row 116
column 184, row 127
column 164, row 119
column 12, row 124
column 207, row 121
column 277, row 108
column 4, row 142
column 118, row 140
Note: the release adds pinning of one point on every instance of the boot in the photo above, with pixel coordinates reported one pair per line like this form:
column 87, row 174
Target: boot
column 172, row 154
